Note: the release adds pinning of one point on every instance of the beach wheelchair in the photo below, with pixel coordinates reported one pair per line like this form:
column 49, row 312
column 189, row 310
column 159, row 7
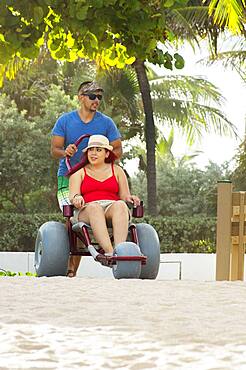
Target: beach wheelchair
column 137, row 258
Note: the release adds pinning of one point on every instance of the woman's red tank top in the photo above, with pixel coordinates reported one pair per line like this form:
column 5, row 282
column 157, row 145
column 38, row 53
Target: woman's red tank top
column 93, row 189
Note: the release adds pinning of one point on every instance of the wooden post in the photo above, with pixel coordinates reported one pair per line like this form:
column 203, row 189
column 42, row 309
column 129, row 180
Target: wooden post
column 230, row 238
column 223, row 235
column 238, row 239
column 241, row 245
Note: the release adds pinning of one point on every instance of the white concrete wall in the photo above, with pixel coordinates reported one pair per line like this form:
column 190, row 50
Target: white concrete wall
column 17, row 261
column 194, row 266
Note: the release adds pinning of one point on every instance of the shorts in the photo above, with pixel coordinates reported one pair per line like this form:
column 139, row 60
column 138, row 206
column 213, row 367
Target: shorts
column 106, row 204
column 63, row 191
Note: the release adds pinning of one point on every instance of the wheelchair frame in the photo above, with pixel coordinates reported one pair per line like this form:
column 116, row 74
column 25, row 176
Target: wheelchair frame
column 84, row 236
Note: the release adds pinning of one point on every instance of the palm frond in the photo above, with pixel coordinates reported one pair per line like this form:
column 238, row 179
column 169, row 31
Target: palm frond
column 194, row 119
column 233, row 55
column 164, row 146
column 187, row 158
column 228, row 13
column 234, row 59
column 229, row 58
column 186, row 88
column 122, row 90
column 192, row 104
column 188, row 22
column 123, row 82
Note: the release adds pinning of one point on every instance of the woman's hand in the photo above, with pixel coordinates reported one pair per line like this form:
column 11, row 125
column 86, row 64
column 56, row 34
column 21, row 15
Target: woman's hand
column 78, row 201
column 133, row 199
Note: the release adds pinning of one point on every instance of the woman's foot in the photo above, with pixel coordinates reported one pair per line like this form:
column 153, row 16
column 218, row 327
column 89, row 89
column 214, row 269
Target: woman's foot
column 104, row 260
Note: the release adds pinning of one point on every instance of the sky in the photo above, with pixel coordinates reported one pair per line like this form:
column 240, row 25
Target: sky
column 214, row 148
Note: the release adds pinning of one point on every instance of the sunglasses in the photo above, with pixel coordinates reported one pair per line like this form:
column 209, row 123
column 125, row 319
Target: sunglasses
column 93, row 96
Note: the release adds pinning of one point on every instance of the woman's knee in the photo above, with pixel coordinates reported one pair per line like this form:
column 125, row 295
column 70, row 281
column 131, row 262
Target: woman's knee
column 94, row 208
column 120, row 207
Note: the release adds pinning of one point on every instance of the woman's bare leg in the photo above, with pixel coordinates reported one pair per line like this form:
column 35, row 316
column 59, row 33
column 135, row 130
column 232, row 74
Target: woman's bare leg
column 119, row 216
column 94, row 215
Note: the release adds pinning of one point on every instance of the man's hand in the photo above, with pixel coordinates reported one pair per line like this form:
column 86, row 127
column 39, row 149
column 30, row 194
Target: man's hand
column 70, row 150
column 57, row 148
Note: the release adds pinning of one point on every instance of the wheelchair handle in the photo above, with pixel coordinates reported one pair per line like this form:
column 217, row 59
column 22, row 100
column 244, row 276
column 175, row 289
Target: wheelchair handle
column 68, row 158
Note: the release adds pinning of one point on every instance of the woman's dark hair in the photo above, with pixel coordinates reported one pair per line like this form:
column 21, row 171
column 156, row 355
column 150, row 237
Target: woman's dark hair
column 84, row 161
column 111, row 158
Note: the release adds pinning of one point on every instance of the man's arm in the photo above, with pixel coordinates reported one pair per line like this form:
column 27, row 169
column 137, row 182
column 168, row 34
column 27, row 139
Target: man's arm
column 117, row 148
column 57, row 148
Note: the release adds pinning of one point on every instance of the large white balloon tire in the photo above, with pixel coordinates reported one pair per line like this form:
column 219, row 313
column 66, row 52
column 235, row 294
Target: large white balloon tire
column 51, row 250
column 127, row 269
column 150, row 247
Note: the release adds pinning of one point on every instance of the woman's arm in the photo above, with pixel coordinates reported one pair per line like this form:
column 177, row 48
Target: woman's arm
column 75, row 196
column 124, row 191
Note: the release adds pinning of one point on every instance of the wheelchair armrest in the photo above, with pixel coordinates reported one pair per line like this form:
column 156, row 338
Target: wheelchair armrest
column 138, row 211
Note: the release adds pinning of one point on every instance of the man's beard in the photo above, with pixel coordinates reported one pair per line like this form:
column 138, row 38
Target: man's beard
column 93, row 108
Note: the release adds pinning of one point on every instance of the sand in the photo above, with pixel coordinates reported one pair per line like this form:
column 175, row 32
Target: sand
column 82, row 323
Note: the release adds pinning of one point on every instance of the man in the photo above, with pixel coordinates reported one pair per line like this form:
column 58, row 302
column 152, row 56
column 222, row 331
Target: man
column 68, row 128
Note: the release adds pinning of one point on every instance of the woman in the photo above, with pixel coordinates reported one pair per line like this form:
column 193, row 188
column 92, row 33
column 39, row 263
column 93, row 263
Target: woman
column 99, row 191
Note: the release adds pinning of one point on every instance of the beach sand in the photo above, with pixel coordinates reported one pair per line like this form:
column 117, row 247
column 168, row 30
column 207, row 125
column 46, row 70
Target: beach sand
column 82, row 323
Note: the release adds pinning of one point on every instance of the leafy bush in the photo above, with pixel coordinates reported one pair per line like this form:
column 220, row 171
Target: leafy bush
column 185, row 234
column 19, row 231
column 182, row 189
column 27, row 171
column 177, row 234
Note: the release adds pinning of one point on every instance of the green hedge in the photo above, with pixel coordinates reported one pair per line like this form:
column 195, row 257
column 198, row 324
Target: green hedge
column 18, row 232
column 177, row 235
column 185, row 235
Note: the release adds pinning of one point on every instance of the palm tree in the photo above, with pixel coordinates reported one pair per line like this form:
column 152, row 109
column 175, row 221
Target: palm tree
column 197, row 19
column 149, row 131
column 191, row 104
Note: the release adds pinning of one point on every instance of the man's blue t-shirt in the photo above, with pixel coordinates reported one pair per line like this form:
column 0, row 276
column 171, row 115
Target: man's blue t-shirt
column 71, row 127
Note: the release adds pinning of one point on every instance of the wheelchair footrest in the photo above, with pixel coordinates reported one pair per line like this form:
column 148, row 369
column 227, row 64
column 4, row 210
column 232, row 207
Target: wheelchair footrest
column 143, row 259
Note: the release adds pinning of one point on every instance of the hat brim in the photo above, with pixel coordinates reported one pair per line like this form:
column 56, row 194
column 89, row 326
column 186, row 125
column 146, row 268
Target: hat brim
column 107, row 147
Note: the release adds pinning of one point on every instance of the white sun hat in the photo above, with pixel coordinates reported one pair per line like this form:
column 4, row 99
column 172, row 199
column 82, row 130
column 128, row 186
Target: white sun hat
column 98, row 141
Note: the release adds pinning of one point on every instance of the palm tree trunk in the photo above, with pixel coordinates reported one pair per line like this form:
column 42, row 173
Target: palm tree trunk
column 149, row 134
